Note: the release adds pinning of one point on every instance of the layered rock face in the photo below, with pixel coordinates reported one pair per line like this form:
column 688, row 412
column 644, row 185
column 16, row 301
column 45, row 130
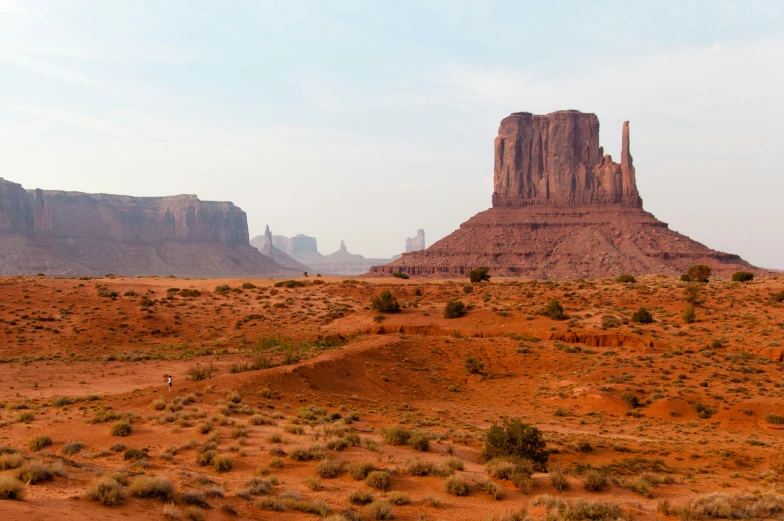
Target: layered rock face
column 556, row 160
column 72, row 233
column 562, row 210
column 416, row 243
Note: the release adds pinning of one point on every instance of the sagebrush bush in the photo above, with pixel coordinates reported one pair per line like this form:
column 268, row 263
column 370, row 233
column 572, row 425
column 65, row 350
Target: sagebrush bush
column 222, row 463
column 689, row 314
column 360, row 469
column 360, row 497
column 379, row 480
column 473, row 365
column 120, row 428
column 193, row 497
column 327, row 468
column 107, row 491
column 625, row 279
column 594, row 481
column 11, row 488
column 456, row 485
column 580, row 510
column 558, row 480
column 39, row 442
column 154, row 487
column 396, row 435
column 743, row 276
column 774, row 419
column 380, row 510
column 398, row 498
column 36, row 471
column 516, row 439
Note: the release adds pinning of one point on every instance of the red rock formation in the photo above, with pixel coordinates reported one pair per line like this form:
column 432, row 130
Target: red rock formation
column 556, row 160
column 562, row 209
column 264, row 244
column 72, row 233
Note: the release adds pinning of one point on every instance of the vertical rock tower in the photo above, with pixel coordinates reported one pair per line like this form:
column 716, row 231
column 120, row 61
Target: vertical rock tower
column 562, row 209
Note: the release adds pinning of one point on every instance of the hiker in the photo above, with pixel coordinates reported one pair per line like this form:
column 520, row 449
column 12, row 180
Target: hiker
column 170, row 383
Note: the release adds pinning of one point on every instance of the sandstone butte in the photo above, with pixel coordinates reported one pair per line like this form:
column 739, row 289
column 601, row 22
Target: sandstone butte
column 72, row 234
column 562, row 209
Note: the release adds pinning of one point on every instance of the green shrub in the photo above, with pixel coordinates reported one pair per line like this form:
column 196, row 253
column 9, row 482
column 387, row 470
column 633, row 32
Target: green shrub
column 642, row 316
column 120, row 428
column 269, row 503
column 518, row 440
column 479, row 274
column 468, row 288
column 107, row 491
column 625, row 279
column 743, row 276
column 11, row 488
column 248, row 285
column 420, row 442
column 400, row 275
column 222, row 289
column 631, row 400
column 456, row 485
column 555, row 310
column 385, row 303
column 159, row 404
column 699, row 273
column 454, row 309
column 134, row 454
column 689, row 314
column 473, row 365
column 686, row 278
column 379, row 480
column 39, row 442
column 72, row 447
column 155, row 487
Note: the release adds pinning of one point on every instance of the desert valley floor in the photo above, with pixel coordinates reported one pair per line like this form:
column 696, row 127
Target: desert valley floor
column 294, row 399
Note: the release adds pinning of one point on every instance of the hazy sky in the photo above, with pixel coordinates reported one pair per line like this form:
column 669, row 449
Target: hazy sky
column 365, row 120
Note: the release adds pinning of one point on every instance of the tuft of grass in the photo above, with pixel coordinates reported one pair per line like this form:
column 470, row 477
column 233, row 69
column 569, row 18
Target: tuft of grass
column 360, row 470
column 10, row 461
column 198, row 499
column 39, row 442
column 399, row 498
column 269, row 503
column 594, row 481
column 774, row 419
column 558, row 480
column 72, row 447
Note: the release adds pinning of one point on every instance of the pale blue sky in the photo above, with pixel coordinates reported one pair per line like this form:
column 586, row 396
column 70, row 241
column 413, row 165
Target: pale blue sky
column 365, row 120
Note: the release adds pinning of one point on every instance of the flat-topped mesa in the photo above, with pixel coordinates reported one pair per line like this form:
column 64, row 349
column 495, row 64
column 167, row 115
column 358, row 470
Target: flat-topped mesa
column 556, row 160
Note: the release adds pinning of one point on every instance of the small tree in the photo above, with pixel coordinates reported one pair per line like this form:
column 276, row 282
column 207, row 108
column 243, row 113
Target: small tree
column 743, row 276
column 631, row 400
column 454, row 309
column 689, row 314
column 625, row 279
column 385, row 303
column 479, row 274
column 555, row 310
column 642, row 316
column 515, row 439
column 699, row 273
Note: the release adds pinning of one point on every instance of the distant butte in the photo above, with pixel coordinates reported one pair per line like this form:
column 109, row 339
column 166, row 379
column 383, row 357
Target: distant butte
column 562, row 209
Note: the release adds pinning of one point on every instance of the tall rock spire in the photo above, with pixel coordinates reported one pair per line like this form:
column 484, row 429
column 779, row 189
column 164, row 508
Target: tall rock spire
column 627, row 166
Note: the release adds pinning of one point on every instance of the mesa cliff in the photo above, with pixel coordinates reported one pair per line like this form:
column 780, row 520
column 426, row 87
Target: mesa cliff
column 562, row 209
column 73, row 233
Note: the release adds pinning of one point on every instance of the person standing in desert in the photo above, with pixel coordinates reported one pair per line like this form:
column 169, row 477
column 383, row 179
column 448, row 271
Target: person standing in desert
column 170, row 383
